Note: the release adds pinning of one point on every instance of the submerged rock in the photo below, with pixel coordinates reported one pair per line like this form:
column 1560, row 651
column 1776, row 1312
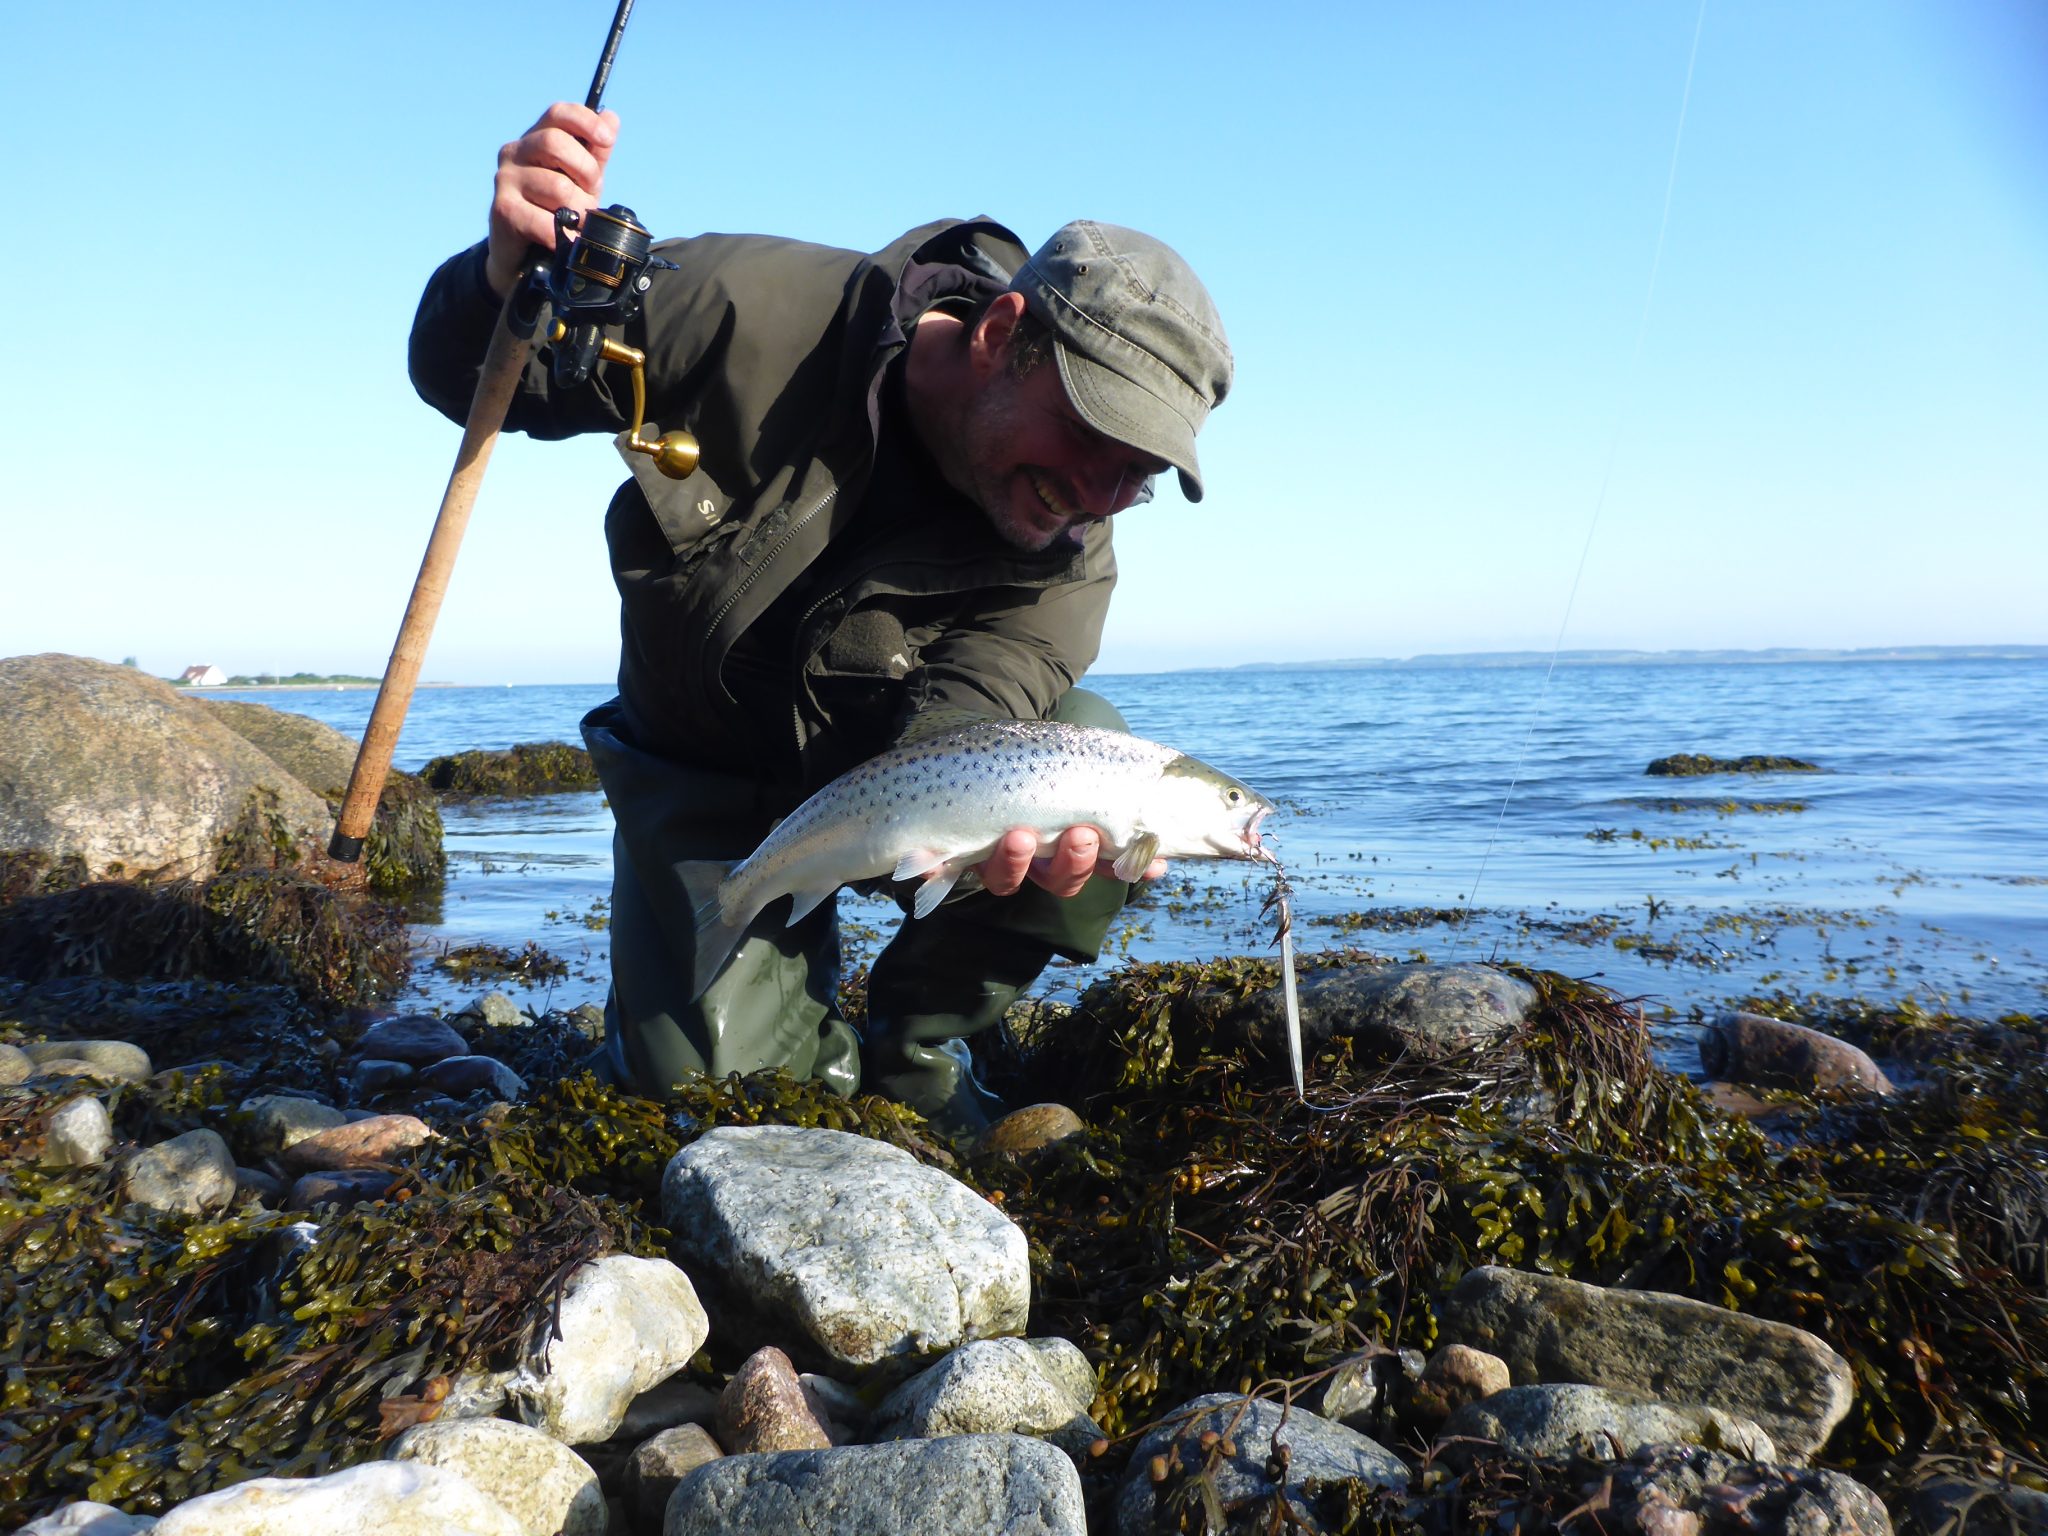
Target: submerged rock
column 542, row 1484
column 871, row 1255
column 1567, row 1419
column 992, row 1485
column 1770, row 1053
column 1549, row 1329
column 1688, row 765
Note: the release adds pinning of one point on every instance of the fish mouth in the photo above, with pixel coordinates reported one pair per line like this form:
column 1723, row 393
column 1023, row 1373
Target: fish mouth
column 1251, row 830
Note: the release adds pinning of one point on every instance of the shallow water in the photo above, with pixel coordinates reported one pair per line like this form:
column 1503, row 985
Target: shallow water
column 1918, row 866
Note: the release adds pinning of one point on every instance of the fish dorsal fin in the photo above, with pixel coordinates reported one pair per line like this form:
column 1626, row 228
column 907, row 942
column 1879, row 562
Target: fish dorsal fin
column 1137, row 858
column 931, row 723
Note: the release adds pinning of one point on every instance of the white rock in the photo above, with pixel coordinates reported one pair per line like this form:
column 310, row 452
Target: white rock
column 990, row 1387
column 379, row 1498
column 16, row 1066
column 109, row 1058
column 874, row 1256
column 626, row 1324
column 88, row 1519
column 545, row 1486
column 78, row 1134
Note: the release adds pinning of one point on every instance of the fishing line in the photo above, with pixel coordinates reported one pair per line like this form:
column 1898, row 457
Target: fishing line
column 1613, row 452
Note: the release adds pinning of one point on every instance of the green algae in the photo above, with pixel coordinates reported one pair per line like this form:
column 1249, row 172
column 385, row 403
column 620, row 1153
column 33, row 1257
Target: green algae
column 531, row 768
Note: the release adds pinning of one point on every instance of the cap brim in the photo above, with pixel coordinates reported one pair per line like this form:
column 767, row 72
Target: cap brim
column 1129, row 413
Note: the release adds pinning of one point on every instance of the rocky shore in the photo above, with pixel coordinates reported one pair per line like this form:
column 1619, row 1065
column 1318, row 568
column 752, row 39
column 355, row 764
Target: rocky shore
column 279, row 1257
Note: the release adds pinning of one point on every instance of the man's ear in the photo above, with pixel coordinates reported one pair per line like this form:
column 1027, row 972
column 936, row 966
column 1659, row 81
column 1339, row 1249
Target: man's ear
column 988, row 347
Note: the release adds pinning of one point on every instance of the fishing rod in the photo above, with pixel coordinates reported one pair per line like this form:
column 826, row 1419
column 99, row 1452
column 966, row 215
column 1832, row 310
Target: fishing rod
column 596, row 276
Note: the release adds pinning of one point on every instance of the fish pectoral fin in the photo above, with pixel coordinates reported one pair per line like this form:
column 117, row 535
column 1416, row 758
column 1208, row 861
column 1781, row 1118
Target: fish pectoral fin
column 937, row 887
column 919, row 861
column 801, row 903
column 1137, row 858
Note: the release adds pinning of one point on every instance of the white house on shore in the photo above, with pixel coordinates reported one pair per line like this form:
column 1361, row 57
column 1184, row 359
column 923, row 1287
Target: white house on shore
column 208, row 676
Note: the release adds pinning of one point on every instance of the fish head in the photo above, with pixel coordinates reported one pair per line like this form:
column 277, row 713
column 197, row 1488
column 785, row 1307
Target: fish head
column 1205, row 812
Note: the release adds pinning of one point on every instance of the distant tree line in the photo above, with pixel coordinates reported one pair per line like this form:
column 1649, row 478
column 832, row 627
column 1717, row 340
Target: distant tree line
column 272, row 679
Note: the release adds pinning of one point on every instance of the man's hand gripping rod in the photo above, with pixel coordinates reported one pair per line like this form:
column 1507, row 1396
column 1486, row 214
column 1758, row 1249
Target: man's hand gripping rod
column 595, row 277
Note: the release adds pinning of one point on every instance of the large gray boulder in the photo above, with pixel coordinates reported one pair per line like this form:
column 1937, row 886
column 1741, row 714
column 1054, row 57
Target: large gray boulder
column 1316, row 1449
column 1670, row 1348
column 543, row 1484
column 991, row 1485
column 1567, row 1419
column 868, row 1253
column 1422, row 1012
column 378, row 1498
column 115, row 769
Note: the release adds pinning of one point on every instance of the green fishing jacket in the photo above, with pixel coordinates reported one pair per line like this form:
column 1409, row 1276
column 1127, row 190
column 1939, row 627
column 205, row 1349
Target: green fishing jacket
column 772, row 353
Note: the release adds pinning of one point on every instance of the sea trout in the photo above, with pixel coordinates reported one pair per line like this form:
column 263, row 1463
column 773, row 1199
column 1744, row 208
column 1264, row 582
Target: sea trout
column 933, row 809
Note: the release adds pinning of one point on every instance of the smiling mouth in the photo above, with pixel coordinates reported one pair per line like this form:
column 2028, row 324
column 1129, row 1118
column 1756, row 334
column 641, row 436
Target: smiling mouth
column 1051, row 498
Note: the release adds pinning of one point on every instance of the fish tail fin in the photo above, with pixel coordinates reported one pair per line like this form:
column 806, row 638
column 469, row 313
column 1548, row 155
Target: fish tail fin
column 717, row 937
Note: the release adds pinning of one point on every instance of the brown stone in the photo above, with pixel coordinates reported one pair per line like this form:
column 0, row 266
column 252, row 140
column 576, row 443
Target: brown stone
column 1770, row 1053
column 376, row 1142
column 1030, row 1129
column 655, row 1468
column 763, row 1409
column 1456, row 1375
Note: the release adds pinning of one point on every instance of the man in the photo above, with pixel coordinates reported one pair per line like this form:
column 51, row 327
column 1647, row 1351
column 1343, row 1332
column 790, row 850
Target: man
column 901, row 513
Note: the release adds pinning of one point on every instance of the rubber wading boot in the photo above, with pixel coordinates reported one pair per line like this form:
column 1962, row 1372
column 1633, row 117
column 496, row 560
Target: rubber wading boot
column 925, row 999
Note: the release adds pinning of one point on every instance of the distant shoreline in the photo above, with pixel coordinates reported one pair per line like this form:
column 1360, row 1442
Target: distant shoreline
column 1777, row 656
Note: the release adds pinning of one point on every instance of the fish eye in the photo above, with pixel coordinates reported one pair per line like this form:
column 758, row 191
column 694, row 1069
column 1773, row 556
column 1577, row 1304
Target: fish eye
column 1236, row 795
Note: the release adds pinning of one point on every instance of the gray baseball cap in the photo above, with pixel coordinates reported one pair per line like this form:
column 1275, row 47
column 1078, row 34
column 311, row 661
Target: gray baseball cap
column 1141, row 348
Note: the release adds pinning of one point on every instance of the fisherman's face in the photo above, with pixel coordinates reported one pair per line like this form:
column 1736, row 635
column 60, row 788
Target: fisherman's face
column 1039, row 471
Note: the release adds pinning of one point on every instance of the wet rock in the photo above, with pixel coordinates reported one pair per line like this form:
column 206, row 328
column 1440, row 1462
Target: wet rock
column 377, row 1142
column 1029, row 1130
column 542, row 1484
column 993, row 1386
column 1456, row 1375
column 344, row 1186
column 417, row 1039
column 274, row 1122
column 77, row 1134
column 992, row 1485
column 16, row 1066
column 378, row 1498
column 1679, row 1490
column 461, row 1076
column 1316, row 1449
column 1550, row 1329
column 88, row 1519
column 117, row 770
column 372, row 1077
column 1770, row 1053
column 1421, row 1012
column 868, row 1253
column 658, row 1464
column 1966, row 1506
column 1571, row 1420
column 1688, row 765
column 763, row 1409
column 188, row 1175
column 114, row 1060
column 625, row 1324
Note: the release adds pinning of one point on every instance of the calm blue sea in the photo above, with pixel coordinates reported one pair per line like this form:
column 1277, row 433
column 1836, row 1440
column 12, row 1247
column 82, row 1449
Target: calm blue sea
column 1916, row 865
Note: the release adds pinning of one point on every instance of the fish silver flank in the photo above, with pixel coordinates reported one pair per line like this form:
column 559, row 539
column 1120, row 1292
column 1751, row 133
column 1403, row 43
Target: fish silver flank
column 933, row 809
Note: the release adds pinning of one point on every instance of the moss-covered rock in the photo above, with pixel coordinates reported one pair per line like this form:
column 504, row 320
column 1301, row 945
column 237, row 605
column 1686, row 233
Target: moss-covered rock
column 531, row 768
column 1688, row 765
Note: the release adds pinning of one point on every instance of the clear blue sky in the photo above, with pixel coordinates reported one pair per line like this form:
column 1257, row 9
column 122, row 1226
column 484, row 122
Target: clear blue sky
column 1430, row 230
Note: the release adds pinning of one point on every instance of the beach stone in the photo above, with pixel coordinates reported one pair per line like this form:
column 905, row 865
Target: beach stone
column 277, row 1121
column 88, row 1519
column 868, row 1253
column 991, row 1387
column 188, row 1175
column 266, row 1187
column 1023, row 1132
column 16, row 1066
column 113, row 768
column 667, row 1405
column 1967, row 1506
column 417, row 1039
column 115, row 1060
column 1572, row 1420
column 1549, row 1329
column 587, row 1019
column 1421, row 1012
column 1684, row 1490
column 342, row 1186
column 991, row 1485
column 77, row 1134
column 1316, row 1449
column 377, row 1142
column 543, row 1484
column 1456, row 1375
column 625, row 1323
column 70, row 1066
column 461, row 1076
column 657, row 1465
column 1770, row 1053
column 378, row 1498
column 763, row 1408
column 495, row 1010
column 839, row 1410
column 372, row 1076
column 474, row 1394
